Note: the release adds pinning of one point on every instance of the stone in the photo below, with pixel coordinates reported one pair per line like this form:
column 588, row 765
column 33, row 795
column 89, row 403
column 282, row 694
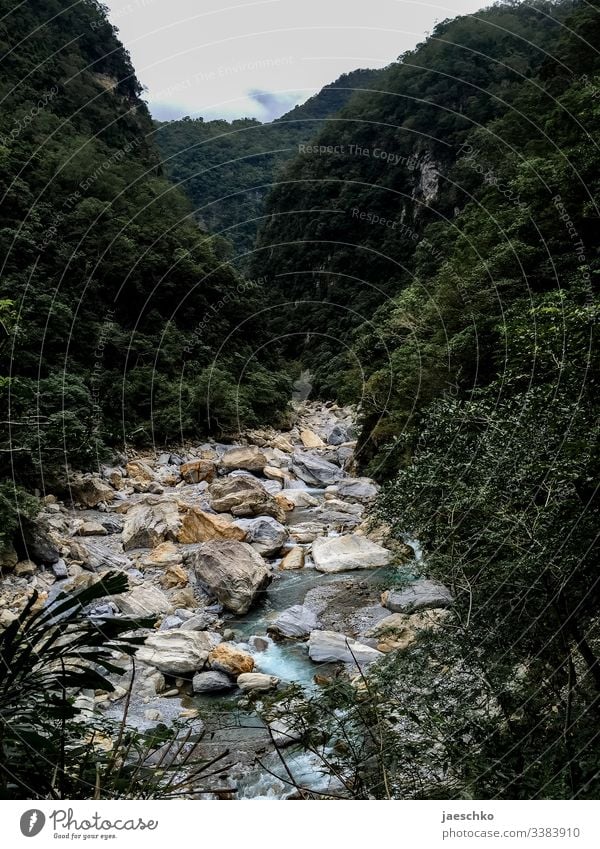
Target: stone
column 301, row 498
column 198, row 526
column 60, row 570
column 306, row 531
column 310, row 439
column 361, row 490
column 243, row 496
column 329, row 647
column 92, row 529
column 7, row 617
column 96, row 554
column 282, row 443
column 8, row 558
column 294, row 559
column 145, row 600
column 140, row 470
column 176, row 652
column 284, row 503
column 112, row 524
column 248, row 457
column 348, row 552
column 198, row 470
column 25, row 569
column 283, row 733
column 233, row 571
column 199, row 622
column 339, row 513
column 165, row 554
column 314, row 470
column 170, row 622
column 338, row 435
column 184, row 598
column 399, row 630
column 114, row 477
column 276, row 474
column 149, row 524
column 296, row 622
column 36, row 541
column 211, row 682
column 229, row 659
column 251, row 682
column 264, row 534
column 90, row 491
column 420, row 595
column 175, row 576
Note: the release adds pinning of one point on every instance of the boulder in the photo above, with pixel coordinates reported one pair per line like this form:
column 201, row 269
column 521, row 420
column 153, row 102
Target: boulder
column 35, row 541
column 165, row 554
column 233, row 571
column 275, row 474
column 145, row 600
column 310, row 439
column 198, row 470
column 198, row 526
column 314, row 470
column 176, row 652
column 174, row 576
column 338, row 435
column 284, row 503
column 339, row 513
column 248, row 457
column 90, row 491
column 329, row 647
column 140, row 470
column 348, row 552
column 398, row 631
column 149, row 524
column 250, row 682
column 361, row 490
column 282, row 443
column 301, row 498
column 243, row 496
column 92, row 529
column 8, row 558
column 306, row 531
column 211, row 682
column 25, row 569
column 294, row 559
column 95, row 554
column 264, row 534
column 283, row 733
column 199, row 622
column 231, row 660
column 419, row 595
column 296, row 622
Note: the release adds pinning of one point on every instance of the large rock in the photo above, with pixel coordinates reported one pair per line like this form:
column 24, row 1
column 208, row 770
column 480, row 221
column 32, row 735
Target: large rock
column 211, row 682
column 149, row 524
column 243, row 496
column 231, row 660
column 340, row 513
column 250, row 682
column 145, row 600
column 314, row 470
column 300, row 498
column 248, row 457
column 329, row 647
column 348, row 552
column 420, row 595
column 296, row 622
column 338, row 435
column 198, row 470
column 306, row 531
column 198, row 526
column 140, row 471
column 90, row 491
column 176, row 652
column 361, row 490
column 310, row 439
column 264, row 534
column 294, row 559
column 35, row 541
column 233, row 571
column 399, row 630
column 282, row 443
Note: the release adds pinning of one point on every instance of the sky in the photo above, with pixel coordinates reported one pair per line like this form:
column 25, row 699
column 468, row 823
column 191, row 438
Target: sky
column 258, row 58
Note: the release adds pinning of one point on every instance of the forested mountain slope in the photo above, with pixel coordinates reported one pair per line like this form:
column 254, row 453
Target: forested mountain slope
column 116, row 304
column 227, row 168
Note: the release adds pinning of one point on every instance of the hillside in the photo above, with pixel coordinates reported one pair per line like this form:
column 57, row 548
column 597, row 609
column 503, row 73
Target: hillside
column 227, row 168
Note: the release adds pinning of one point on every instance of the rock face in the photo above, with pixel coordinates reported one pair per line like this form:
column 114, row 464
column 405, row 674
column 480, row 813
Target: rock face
column 243, row 496
column 198, row 526
column 211, row 682
column 198, row 470
column 250, row 682
column 233, row 571
column 349, row 552
column 231, row 660
column 147, row 525
column 296, row 622
column 89, row 490
column 329, row 647
column 420, row 595
column 294, row 559
column 361, row 490
column 176, row 652
column 314, row 470
column 264, row 534
column 248, row 457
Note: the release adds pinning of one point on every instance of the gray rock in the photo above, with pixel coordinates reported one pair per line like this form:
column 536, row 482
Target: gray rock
column 314, row 470
column 296, row 622
column 248, row 457
column 199, row 622
column 338, row 435
column 250, row 682
column 149, row 524
column 176, row 652
column 36, row 542
column 361, row 490
column 144, row 600
column 211, row 682
column 243, row 495
column 60, row 569
column 233, row 571
column 170, row 622
column 420, row 595
column 264, row 533
column 347, row 553
column 329, row 647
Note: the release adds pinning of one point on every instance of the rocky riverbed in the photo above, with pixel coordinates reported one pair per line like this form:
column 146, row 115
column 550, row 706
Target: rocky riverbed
column 259, row 561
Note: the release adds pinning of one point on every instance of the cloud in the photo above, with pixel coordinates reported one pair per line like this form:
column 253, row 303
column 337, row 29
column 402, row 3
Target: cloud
column 275, row 104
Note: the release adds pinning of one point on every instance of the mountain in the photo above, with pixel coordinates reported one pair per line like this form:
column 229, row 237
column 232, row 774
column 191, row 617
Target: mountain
column 227, row 168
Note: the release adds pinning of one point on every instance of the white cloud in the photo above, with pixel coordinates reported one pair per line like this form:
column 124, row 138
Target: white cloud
column 258, row 58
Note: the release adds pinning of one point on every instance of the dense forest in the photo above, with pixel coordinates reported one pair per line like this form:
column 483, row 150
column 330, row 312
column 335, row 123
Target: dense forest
column 429, row 249
column 227, row 168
